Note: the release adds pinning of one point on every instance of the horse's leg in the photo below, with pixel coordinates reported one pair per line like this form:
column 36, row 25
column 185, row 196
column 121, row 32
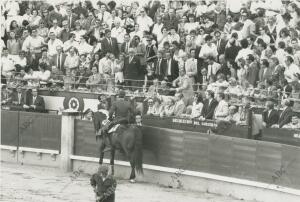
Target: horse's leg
column 102, row 147
column 132, row 164
column 112, row 159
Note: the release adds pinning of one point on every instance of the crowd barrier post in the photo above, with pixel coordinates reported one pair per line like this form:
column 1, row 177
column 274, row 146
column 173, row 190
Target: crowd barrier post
column 67, row 139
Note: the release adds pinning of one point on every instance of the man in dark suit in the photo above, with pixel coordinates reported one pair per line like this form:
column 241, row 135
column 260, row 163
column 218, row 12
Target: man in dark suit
column 285, row 116
column 171, row 19
column 70, row 17
column 109, row 44
column 265, row 71
column 125, row 45
column 35, row 103
column 19, row 97
column 132, row 69
column 220, row 43
column 270, row 115
column 209, row 106
column 170, row 68
column 158, row 66
column 58, row 60
column 253, row 70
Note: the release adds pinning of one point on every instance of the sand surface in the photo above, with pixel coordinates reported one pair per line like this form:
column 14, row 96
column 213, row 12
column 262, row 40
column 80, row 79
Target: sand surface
column 24, row 183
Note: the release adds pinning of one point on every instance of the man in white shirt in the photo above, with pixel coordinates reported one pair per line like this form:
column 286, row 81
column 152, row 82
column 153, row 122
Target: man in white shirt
column 157, row 26
column 53, row 43
column 27, row 15
column 33, row 43
column 105, row 64
column 222, row 109
column 291, row 70
column 245, row 51
column 144, row 21
column 70, row 43
column 7, row 64
column 56, row 29
column 212, row 67
column 103, row 15
column 208, row 49
column 136, row 32
column 118, row 32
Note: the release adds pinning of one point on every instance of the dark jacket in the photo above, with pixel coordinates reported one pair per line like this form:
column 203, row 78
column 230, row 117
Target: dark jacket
column 23, row 100
column 122, row 109
column 221, row 47
column 73, row 17
column 174, row 70
column 159, row 64
column 39, row 103
column 285, row 117
column 54, row 61
column 106, row 46
column 132, row 69
column 123, row 48
column 208, row 109
column 252, row 74
column 270, row 119
column 104, row 188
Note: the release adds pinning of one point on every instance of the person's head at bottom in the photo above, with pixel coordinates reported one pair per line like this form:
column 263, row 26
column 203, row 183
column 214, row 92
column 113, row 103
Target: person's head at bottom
column 103, row 170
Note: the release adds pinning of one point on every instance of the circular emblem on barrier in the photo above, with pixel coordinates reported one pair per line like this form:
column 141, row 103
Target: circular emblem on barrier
column 73, row 103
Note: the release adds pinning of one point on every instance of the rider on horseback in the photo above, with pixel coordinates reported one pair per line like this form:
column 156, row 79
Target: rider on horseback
column 122, row 110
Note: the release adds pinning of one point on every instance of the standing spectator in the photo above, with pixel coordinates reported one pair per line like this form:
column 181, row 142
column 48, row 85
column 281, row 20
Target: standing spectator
column 78, row 31
column 220, row 43
column 140, row 52
column 109, row 44
column 83, row 47
column 7, row 64
column 70, row 17
column 118, row 32
column 171, row 19
column 136, row 32
column 291, row 70
column 131, row 69
column 70, row 43
column 158, row 66
column 157, row 26
column 72, row 60
column 103, row 15
column 170, row 70
column 113, row 19
column 184, row 86
column 144, row 21
column 58, row 60
column 94, row 80
column 265, row 71
column 213, row 67
column 53, row 43
column 13, row 46
column 55, row 28
column 125, row 45
column 42, row 30
column 35, row 19
column 209, row 106
column 65, row 32
column 252, row 70
column 208, row 49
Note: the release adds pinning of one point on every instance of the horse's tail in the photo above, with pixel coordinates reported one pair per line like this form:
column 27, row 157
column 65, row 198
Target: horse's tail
column 138, row 151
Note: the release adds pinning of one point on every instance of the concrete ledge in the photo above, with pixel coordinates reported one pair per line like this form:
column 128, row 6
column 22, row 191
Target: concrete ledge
column 197, row 181
column 8, row 147
column 43, row 151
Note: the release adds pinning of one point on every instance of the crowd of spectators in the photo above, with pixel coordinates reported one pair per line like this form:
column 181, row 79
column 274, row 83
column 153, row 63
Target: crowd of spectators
column 171, row 51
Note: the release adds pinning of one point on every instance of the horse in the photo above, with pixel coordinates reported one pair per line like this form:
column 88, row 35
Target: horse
column 127, row 139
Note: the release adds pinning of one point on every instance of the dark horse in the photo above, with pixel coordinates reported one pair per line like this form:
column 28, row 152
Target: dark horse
column 128, row 140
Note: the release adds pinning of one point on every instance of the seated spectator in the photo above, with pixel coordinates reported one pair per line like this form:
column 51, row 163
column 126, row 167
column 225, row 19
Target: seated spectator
column 155, row 107
column 197, row 106
column 285, row 117
column 81, row 77
column 45, row 58
column 221, row 111
column 153, row 89
column 233, row 116
column 168, row 108
column 7, row 64
column 209, row 106
column 78, row 31
column 6, row 95
column 295, row 123
column 233, row 88
column 19, row 97
column 21, row 60
column 164, row 88
column 270, row 115
column 221, row 83
column 179, row 107
column 35, row 102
